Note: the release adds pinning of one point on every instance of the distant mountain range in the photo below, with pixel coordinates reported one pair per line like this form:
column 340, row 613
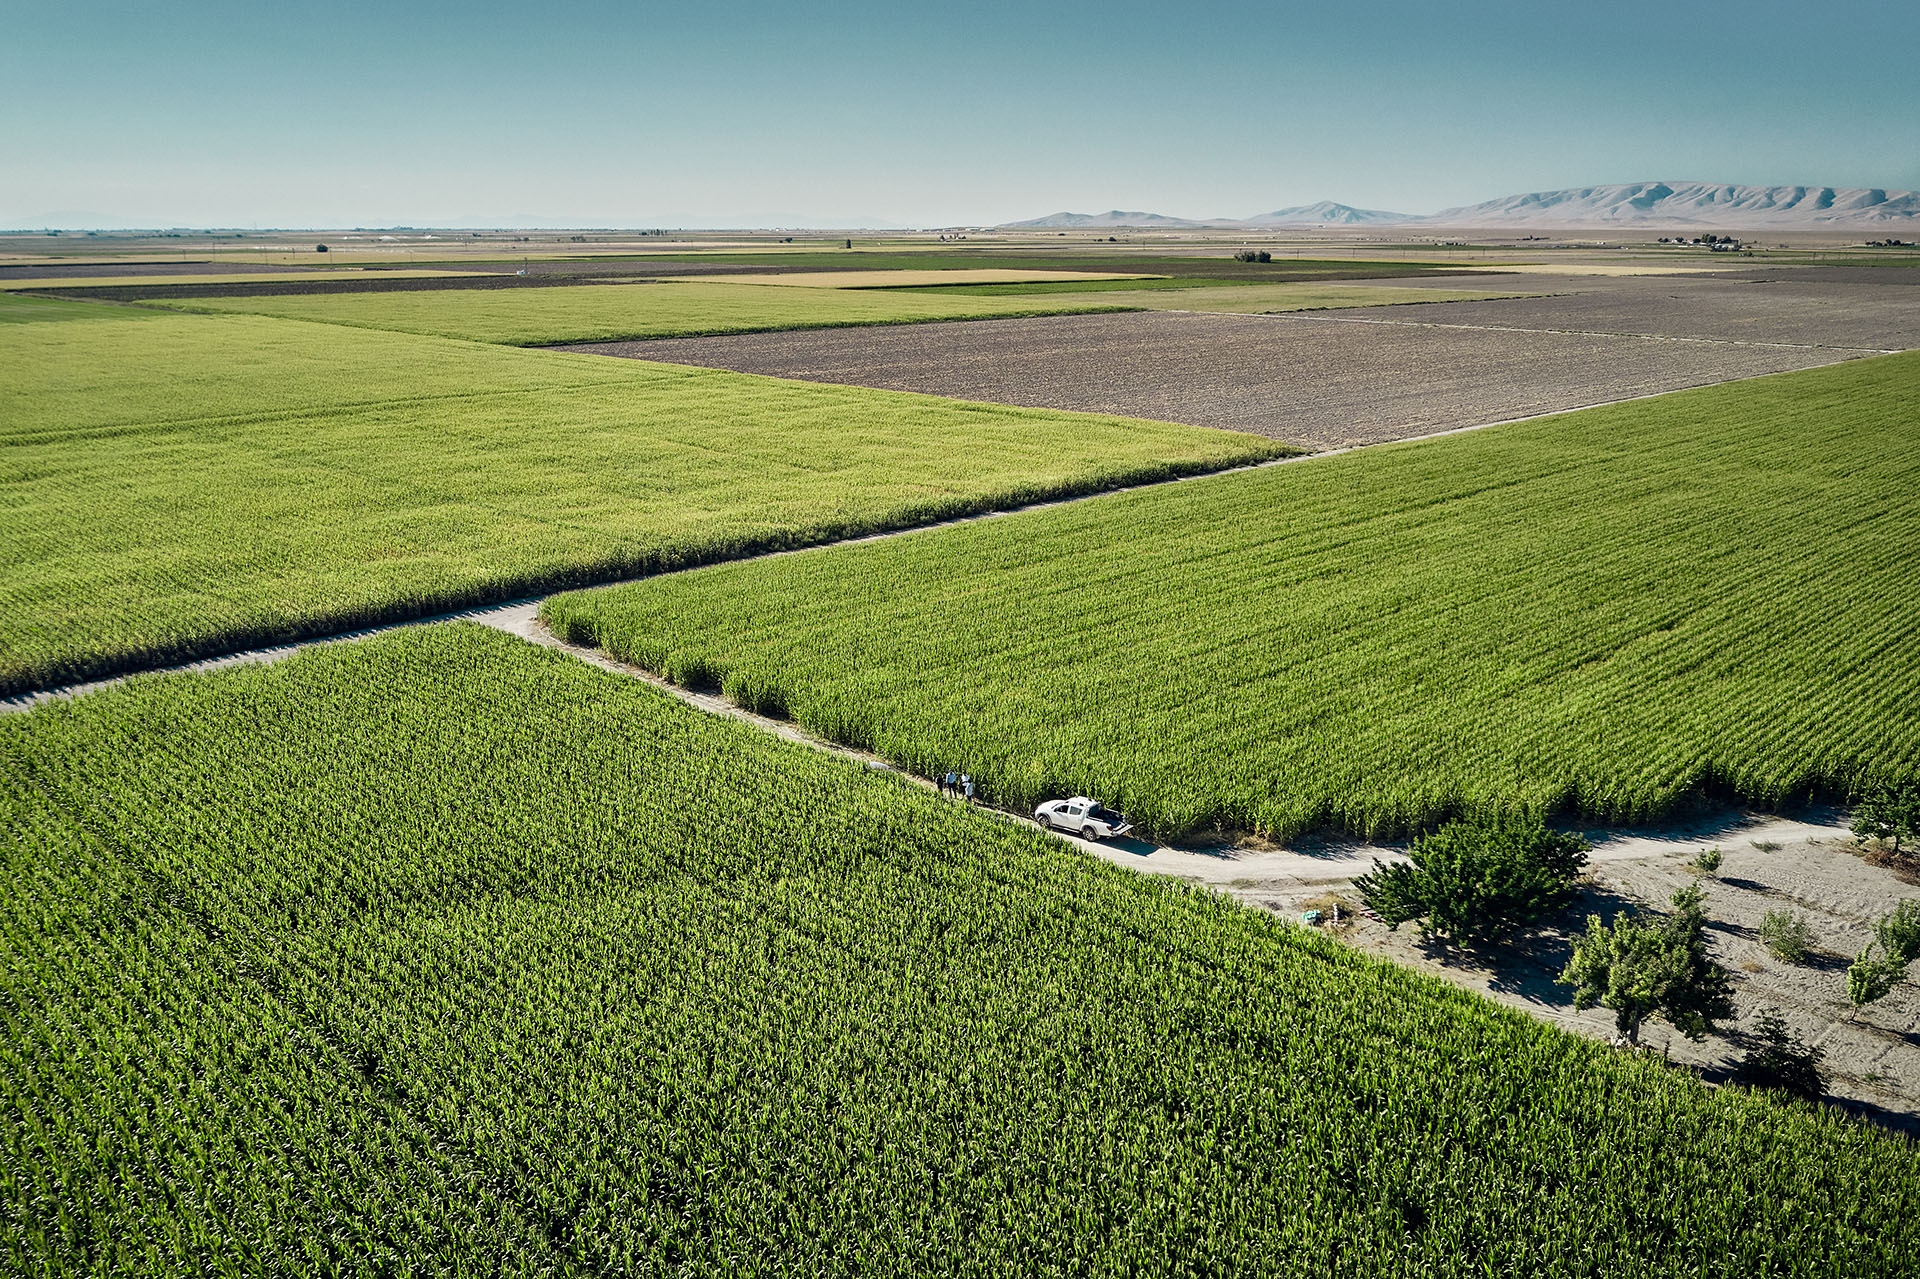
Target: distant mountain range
column 1324, row 213
column 1717, row 206
column 1113, row 218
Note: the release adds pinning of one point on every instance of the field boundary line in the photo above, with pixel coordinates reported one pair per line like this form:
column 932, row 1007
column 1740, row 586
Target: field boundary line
column 1323, row 318
column 482, row 612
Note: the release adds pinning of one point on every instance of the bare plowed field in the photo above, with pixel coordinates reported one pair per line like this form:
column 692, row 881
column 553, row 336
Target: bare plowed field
column 1308, row 379
column 1784, row 309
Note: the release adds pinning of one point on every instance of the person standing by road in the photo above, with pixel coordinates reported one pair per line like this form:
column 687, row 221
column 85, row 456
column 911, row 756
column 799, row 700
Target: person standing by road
column 966, row 783
column 949, row 783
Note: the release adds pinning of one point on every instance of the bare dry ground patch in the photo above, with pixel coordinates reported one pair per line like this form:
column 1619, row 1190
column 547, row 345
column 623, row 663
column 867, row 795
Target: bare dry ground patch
column 1316, row 380
column 1783, row 306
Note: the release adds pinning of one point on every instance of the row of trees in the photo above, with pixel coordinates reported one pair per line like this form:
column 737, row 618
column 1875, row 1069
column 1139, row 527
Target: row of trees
column 1476, row 881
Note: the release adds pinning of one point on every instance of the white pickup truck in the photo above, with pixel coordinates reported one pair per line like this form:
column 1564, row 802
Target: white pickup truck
column 1087, row 818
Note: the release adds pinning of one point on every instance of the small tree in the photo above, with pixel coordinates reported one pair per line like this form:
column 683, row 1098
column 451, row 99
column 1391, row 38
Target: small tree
column 1871, row 976
column 1889, row 813
column 1898, row 932
column 1786, row 935
column 1471, row 881
column 1707, row 863
column 1660, row 968
column 1781, row 1059
column 1882, row 963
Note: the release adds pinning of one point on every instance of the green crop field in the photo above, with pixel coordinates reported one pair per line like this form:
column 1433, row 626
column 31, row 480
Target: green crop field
column 438, row 953
column 177, row 485
column 613, row 312
column 1606, row 611
column 22, row 310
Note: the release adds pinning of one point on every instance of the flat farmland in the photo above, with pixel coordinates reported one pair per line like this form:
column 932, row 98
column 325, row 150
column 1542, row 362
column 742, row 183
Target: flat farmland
column 1605, row 613
column 606, row 312
column 1237, row 297
column 1311, row 380
column 83, row 285
column 1783, row 306
column 442, row 954
column 957, row 277
column 179, row 485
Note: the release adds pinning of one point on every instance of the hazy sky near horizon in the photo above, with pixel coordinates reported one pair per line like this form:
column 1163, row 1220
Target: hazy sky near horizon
column 210, row 113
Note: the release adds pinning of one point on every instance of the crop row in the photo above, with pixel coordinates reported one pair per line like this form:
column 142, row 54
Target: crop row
column 441, row 953
column 1604, row 613
column 179, row 485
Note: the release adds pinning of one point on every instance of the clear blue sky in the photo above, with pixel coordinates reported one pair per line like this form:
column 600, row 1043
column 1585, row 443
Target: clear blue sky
column 214, row 113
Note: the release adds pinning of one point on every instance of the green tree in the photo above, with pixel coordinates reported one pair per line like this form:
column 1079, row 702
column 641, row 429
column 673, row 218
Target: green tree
column 1871, row 976
column 1471, row 881
column 1652, row 968
column 1888, row 813
column 1882, row 963
column 1898, row 932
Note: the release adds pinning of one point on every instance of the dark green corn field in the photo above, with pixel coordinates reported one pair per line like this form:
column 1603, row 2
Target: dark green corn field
column 1607, row 613
column 441, row 954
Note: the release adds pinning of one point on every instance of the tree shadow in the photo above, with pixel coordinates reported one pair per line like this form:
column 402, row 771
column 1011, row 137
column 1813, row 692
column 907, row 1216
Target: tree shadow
column 1896, row 1121
column 1732, row 929
column 1827, row 961
column 1528, row 965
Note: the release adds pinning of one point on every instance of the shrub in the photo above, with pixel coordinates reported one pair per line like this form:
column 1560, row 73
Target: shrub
column 1641, row 969
column 1707, row 863
column 1786, row 935
column 1471, row 881
column 1781, row 1059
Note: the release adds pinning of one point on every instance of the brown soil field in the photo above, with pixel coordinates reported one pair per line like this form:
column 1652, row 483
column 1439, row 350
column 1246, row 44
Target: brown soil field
column 1876, row 275
column 1784, row 307
column 1319, row 380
